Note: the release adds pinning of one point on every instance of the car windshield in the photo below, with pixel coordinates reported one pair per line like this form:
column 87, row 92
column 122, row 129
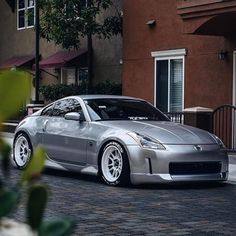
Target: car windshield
column 123, row 109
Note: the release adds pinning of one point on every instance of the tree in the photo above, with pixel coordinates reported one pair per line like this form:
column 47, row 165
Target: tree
column 66, row 22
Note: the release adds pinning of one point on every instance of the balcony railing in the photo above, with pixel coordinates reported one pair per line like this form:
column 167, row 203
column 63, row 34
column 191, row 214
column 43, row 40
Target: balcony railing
column 177, row 117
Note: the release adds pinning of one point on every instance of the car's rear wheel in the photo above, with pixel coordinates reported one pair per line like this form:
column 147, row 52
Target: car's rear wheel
column 114, row 165
column 22, row 151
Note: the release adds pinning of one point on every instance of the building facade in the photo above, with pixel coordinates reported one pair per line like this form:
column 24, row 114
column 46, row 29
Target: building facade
column 180, row 54
column 17, row 49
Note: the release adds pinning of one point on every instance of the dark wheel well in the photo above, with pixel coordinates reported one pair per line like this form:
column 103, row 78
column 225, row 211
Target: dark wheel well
column 21, row 132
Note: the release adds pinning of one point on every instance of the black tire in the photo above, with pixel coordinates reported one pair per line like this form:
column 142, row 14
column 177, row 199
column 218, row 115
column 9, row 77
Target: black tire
column 22, row 151
column 114, row 166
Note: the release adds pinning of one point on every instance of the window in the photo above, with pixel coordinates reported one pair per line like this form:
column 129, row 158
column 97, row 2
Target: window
column 122, row 109
column 47, row 111
column 64, row 106
column 25, row 14
column 60, row 108
column 73, row 75
column 169, row 80
column 73, row 106
column 68, row 76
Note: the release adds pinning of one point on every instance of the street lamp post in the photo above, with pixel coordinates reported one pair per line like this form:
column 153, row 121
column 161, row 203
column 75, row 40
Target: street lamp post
column 37, row 69
column 90, row 56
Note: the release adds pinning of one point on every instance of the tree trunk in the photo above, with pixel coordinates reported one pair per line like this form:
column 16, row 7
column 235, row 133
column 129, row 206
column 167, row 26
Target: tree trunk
column 90, row 63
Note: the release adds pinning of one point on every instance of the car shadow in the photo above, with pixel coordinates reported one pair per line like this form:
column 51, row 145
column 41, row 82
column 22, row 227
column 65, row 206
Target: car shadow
column 164, row 186
column 72, row 175
column 183, row 186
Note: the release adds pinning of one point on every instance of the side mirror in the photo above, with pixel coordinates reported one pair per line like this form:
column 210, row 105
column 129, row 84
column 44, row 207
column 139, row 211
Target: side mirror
column 75, row 116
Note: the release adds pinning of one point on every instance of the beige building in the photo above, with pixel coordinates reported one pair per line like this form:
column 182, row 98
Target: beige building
column 17, row 49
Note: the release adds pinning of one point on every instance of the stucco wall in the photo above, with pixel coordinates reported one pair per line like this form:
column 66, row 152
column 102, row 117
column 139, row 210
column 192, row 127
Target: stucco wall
column 13, row 42
column 208, row 80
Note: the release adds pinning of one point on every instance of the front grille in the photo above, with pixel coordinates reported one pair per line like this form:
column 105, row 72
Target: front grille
column 194, row 168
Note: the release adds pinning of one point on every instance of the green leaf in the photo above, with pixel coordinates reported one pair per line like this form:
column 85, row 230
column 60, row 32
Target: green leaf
column 36, row 204
column 8, row 201
column 57, row 227
column 5, row 151
column 35, row 167
column 14, row 91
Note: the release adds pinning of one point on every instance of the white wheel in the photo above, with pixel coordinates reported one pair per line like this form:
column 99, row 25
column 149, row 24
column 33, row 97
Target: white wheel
column 22, row 151
column 114, row 164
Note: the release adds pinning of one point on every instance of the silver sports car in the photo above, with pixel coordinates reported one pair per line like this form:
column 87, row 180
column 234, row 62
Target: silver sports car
column 121, row 139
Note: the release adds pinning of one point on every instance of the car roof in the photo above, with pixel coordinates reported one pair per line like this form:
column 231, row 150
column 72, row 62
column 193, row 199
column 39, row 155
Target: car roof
column 101, row 96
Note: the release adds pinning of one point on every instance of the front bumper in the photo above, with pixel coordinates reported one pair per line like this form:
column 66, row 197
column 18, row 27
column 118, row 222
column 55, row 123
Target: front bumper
column 153, row 166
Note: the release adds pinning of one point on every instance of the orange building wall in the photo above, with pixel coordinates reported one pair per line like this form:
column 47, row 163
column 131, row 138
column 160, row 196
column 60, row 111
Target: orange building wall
column 208, row 80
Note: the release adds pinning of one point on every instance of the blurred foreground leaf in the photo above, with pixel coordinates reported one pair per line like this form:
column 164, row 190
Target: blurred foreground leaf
column 15, row 89
column 58, row 227
column 8, row 201
column 36, row 205
column 35, row 167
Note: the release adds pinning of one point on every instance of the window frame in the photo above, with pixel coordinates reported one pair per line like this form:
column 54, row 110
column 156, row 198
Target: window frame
column 49, row 107
column 78, row 77
column 26, row 17
column 169, row 55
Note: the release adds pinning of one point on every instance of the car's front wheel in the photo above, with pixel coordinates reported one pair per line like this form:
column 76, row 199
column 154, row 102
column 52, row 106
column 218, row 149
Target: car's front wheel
column 22, row 151
column 114, row 165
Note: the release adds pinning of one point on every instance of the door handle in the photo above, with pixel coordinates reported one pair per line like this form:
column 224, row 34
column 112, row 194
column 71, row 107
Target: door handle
column 45, row 125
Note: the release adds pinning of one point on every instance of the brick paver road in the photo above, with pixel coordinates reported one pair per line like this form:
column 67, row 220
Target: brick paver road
column 139, row 210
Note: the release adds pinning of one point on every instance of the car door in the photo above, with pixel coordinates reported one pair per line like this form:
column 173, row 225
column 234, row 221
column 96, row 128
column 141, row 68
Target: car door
column 65, row 140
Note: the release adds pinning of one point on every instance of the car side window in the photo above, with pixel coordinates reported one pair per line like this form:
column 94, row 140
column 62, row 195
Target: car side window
column 64, row 106
column 74, row 105
column 60, row 108
column 47, row 111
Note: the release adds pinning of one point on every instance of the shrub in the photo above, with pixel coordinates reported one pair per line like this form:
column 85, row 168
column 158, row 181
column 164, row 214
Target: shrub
column 107, row 87
column 57, row 91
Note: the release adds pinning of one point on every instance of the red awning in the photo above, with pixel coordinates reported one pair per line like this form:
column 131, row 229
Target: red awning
column 18, row 61
column 64, row 58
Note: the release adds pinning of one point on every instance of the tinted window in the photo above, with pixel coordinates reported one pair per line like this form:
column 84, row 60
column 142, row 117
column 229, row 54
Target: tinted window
column 123, row 109
column 73, row 106
column 169, row 85
column 64, row 106
column 47, row 111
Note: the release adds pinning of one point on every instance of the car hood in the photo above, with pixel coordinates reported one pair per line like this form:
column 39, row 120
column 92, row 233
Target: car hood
column 165, row 132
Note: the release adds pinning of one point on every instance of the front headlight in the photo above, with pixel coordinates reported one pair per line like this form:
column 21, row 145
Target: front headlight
column 145, row 141
column 219, row 142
